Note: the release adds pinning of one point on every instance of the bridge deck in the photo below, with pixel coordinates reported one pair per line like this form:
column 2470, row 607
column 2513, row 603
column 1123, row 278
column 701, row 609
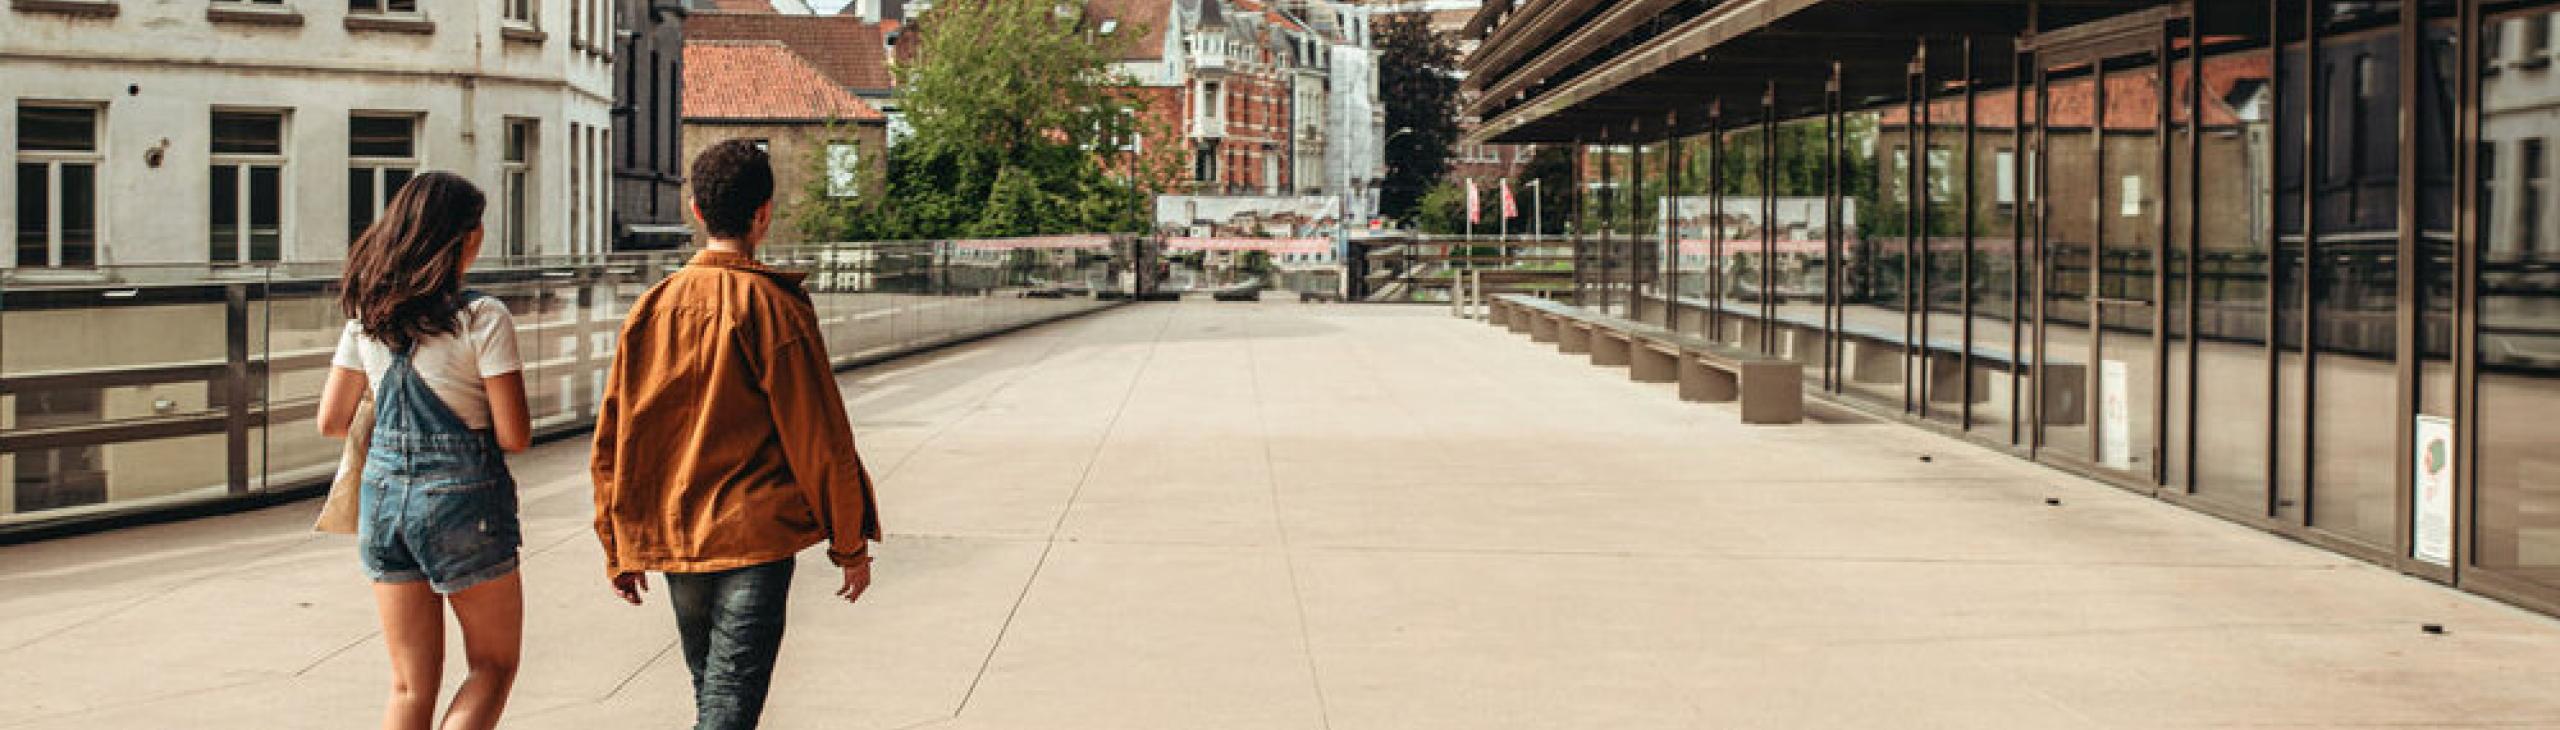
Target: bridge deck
column 1284, row 516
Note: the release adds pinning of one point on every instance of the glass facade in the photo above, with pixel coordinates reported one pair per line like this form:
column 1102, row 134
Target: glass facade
column 2516, row 296
column 2291, row 262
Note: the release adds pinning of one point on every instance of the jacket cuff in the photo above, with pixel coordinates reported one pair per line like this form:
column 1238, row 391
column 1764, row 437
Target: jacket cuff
column 844, row 559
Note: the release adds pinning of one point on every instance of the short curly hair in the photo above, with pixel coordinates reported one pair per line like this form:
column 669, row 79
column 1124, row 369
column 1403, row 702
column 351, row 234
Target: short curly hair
column 730, row 181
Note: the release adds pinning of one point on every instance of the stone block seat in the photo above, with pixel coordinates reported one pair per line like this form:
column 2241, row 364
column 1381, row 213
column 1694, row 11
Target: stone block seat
column 1770, row 390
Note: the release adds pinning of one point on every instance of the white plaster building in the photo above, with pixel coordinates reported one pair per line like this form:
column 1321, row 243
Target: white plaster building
column 1355, row 160
column 241, row 131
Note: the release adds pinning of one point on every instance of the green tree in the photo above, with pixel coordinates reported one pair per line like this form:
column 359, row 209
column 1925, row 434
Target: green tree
column 1418, row 84
column 1443, row 209
column 1017, row 126
column 1256, row 263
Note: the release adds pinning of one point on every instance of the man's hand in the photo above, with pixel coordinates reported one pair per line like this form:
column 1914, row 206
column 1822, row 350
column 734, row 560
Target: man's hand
column 630, row 585
column 857, row 578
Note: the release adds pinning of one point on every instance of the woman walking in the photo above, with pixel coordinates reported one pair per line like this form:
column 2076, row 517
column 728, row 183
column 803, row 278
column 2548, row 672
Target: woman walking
column 437, row 520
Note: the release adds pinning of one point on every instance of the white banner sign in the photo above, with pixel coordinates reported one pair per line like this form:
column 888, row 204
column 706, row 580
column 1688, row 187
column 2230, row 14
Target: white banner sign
column 1273, row 245
column 2433, row 523
column 2115, row 415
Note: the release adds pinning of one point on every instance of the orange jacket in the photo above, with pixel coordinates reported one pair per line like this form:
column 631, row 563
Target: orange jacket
column 722, row 441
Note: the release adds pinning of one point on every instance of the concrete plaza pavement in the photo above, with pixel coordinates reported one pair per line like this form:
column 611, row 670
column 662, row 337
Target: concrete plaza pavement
column 1346, row 517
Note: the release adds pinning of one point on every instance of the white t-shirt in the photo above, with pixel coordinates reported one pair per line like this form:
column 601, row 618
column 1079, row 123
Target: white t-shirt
column 483, row 346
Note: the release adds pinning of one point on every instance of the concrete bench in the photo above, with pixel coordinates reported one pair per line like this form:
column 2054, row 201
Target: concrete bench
column 1770, row 390
column 1242, row 293
column 1876, row 356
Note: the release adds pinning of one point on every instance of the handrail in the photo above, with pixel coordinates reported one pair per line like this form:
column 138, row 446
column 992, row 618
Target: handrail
column 142, row 414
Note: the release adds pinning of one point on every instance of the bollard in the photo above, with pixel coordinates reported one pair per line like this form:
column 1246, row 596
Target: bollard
column 1475, row 289
column 1458, row 293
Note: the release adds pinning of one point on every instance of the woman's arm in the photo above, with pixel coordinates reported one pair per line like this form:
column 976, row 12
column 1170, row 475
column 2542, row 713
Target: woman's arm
column 338, row 399
column 507, row 412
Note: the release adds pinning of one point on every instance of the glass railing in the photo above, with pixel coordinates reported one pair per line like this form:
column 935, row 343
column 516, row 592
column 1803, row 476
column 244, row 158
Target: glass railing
column 142, row 388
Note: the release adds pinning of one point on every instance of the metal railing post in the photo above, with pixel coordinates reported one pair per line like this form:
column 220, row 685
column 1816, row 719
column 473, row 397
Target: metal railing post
column 1458, row 293
column 1475, row 288
column 236, row 384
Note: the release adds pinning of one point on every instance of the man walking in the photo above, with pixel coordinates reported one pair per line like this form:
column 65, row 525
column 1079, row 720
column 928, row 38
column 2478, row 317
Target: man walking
column 722, row 447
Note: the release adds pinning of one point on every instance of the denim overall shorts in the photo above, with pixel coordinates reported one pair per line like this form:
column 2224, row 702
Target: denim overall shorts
column 438, row 502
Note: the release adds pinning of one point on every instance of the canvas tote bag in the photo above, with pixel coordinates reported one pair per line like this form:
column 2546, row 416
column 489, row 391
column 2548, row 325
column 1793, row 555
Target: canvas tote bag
column 346, row 493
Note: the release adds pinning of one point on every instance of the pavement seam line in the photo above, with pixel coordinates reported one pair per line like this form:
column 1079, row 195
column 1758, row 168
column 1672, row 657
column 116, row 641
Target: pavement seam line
column 333, row 653
column 634, row 674
column 1280, row 523
column 1127, row 394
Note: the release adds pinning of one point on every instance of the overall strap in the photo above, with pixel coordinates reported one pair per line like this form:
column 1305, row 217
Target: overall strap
column 405, row 403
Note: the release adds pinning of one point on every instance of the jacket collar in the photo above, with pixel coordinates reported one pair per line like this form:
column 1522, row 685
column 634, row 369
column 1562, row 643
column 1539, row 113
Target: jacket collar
column 740, row 262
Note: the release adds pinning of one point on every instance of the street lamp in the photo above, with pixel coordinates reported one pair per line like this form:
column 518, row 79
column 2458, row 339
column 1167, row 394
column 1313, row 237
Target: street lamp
column 1537, row 212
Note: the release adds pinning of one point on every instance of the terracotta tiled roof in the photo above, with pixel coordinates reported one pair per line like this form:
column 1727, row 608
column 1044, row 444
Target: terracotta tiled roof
column 1288, row 21
column 762, row 80
column 840, row 46
column 1145, row 19
column 760, row 7
column 2132, row 100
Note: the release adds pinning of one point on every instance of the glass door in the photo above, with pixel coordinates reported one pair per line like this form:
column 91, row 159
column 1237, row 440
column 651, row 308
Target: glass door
column 2105, row 112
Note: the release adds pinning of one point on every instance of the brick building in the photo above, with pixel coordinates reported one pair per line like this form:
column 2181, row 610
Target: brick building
column 1249, row 86
column 823, row 140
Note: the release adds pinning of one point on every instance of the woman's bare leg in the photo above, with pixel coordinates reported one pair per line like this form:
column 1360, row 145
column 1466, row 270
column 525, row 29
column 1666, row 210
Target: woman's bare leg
column 492, row 616
column 413, row 628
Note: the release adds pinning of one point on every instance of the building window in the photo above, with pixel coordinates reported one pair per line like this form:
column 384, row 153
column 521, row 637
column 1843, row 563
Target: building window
column 516, row 173
column 247, row 208
column 2492, row 181
column 1902, row 169
column 58, row 164
column 577, row 186
column 604, row 189
column 382, row 154
column 1942, row 175
column 670, row 127
column 844, row 169
column 2533, row 168
column 378, row 7
column 519, row 12
column 2536, row 37
column 2005, row 176
column 656, row 129
column 625, row 93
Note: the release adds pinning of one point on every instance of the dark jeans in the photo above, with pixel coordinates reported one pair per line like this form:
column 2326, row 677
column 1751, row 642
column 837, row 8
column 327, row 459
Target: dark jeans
column 731, row 622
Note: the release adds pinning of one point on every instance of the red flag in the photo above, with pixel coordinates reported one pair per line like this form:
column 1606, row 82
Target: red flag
column 1473, row 206
column 1510, row 206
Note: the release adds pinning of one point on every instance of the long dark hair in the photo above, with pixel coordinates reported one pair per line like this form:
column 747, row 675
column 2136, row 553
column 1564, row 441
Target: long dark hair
column 404, row 274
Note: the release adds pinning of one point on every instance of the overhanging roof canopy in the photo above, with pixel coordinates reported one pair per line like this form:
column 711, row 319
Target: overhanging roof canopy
column 1734, row 52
